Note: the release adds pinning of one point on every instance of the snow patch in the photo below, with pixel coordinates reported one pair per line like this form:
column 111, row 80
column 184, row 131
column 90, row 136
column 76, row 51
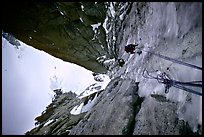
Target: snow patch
column 81, row 19
column 101, row 58
column 89, row 105
column 61, row 13
column 105, row 24
column 95, row 26
column 112, row 10
column 84, row 108
column 82, row 7
column 77, row 109
column 109, row 61
column 48, row 122
column 99, row 86
column 95, row 87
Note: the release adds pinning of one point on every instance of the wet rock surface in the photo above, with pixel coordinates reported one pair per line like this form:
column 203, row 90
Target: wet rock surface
column 130, row 104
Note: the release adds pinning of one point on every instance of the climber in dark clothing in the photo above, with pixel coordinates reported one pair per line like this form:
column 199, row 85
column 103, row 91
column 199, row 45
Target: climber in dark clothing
column 130, row 48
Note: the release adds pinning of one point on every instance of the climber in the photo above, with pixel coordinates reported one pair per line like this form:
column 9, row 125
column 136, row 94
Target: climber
column 130, row 48
column 121, row 62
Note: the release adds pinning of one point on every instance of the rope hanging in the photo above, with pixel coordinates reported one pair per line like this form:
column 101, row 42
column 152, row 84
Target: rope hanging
column 174, row 60
column 165, row 79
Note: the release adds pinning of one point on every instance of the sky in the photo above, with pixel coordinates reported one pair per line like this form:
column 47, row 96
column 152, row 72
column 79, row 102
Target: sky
column 28, row 79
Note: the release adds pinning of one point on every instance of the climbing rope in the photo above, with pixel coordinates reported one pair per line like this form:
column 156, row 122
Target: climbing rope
column 165, row 79
column 172, row 60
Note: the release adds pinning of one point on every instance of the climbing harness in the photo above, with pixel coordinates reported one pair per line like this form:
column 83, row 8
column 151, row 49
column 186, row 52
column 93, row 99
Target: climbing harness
column 165, row 79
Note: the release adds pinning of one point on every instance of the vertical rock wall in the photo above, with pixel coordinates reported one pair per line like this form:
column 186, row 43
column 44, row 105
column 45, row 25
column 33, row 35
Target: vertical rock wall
column 64, row 30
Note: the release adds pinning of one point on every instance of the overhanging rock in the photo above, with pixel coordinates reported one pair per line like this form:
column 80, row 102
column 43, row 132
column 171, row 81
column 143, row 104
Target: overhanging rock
column 62, row 29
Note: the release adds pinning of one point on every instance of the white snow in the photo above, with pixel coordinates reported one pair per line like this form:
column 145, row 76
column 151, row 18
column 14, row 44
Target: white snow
column 48, row 122
column 106, row 81
column 92, row 89
column 95, row 26
column 109, row 61
column 82, row 7
column 112, row 10
column 34, row 75
column 85, row 108
column 89, row 91
column 81, row 19
column 101, row 58
column 61, row 13
column 89, row 105
column 77, row 109
column 105, row 24
column 150, row 37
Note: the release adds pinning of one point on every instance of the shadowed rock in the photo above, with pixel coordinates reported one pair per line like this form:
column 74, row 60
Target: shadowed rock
column 62, row 29
column 115, row 112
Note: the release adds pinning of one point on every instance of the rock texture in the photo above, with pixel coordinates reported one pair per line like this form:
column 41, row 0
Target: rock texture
column 57, row 119
column 159, row 118
column 117, row 105
column 130, row 104
column 58, row 116
column 62, row 29
column 117, row 108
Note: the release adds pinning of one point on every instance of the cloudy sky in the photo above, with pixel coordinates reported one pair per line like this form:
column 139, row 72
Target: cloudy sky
column 28, row 77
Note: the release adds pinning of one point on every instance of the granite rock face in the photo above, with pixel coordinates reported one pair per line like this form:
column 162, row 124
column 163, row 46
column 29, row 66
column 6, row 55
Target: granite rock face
column 117, row 110
column 130, row 104
column 62, row 29
column 56, row 119
column 114, row 112
column 159, row 118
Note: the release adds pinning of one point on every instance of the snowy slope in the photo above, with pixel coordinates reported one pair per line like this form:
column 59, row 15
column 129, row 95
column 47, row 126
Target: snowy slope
column 100, row 85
